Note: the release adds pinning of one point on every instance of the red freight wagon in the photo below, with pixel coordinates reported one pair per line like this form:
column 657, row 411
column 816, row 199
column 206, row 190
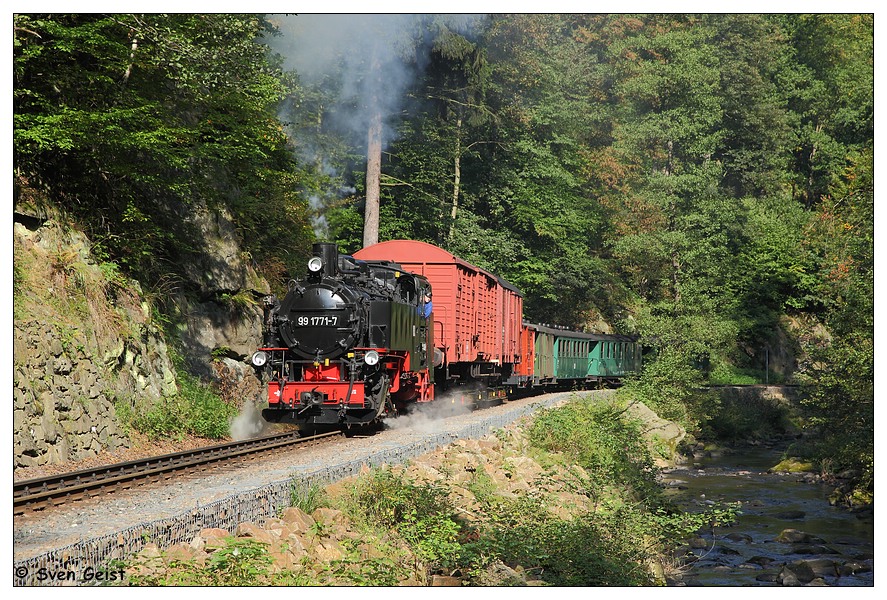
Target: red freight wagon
column 477, row 316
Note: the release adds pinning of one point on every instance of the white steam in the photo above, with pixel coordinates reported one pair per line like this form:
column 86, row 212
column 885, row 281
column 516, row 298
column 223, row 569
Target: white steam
column 364, row 58
column 248, row 424
column 428, row 417
column 318, row 219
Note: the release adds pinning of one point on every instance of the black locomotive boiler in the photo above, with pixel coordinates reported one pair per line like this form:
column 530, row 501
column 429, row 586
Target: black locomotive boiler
column 349, row 345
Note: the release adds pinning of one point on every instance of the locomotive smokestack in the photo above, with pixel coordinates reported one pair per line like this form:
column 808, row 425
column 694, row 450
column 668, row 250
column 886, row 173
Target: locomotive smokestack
column 329, row 253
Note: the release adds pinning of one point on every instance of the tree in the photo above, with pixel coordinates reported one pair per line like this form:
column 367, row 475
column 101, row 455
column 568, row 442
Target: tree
column 832, row 96
column 667, row 123
column 840, row 375
column 374, row 158
column 127, row 119
column 753, row 57
column 547, row 88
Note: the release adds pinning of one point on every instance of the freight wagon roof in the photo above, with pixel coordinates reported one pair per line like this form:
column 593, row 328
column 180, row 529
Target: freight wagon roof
column 568, row 333
column 412, row 251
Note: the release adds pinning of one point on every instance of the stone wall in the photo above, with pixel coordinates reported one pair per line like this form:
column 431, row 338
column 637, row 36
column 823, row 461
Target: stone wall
column 85, row 336
column 79, row 342
column 63, row 396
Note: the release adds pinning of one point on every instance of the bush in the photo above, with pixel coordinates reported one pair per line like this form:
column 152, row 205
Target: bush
column 605, row 547
column 749, row 417
column 601, row 439
column 674, row 389
column 195, row 410
column 306, row 496
column 421, row 514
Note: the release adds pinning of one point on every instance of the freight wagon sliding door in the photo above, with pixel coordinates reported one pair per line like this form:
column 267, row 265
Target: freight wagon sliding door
column 510, row 324
column 466, row 314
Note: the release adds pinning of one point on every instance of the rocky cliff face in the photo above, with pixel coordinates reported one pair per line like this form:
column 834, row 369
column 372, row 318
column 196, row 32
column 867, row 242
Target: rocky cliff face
column 221, row 317
column 84, row 336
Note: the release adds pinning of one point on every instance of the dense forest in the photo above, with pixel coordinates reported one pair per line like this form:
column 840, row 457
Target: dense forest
column 703, row 181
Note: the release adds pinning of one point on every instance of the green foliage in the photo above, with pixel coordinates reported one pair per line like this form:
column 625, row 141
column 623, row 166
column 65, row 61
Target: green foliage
column 421, row 514
column 240, row 562
column 248, row 562
column 742, row 419
column 130, row 120
column 358, row 570
column 727, row 374
column 605, row 548
column 195, row 410
column 841, row 405
column 306, row 496
column 673, row 388
column 831, row 96
column 595, row 549
column 676, row 525
column 603, row 440
column 840, row 372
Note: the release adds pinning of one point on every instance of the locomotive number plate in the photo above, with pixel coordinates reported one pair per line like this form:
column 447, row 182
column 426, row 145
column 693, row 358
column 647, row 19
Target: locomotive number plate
column 317, row 321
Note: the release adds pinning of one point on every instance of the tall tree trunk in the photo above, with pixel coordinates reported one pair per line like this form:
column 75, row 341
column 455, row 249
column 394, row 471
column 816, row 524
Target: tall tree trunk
column 374, row 176
column 132, row 57
column 374, row 156
column 457, row 178
column 675, row 279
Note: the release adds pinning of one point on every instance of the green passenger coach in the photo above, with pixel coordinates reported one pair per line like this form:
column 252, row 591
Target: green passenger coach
column 562, row 355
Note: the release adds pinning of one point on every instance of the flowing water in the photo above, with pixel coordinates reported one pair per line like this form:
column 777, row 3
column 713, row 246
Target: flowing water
column 836, row 544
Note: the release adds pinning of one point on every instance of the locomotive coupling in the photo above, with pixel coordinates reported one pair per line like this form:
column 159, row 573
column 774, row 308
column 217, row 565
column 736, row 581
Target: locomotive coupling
column 311, row 398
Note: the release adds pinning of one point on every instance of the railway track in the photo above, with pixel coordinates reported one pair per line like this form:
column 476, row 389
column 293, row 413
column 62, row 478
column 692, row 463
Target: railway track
column 40, row 493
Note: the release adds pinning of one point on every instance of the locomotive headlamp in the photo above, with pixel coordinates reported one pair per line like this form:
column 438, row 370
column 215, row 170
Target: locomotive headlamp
column 315, row 264
column 371, row 357
column 260, row 358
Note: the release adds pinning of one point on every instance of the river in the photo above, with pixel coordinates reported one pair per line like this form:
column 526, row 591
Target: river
column 829, row 546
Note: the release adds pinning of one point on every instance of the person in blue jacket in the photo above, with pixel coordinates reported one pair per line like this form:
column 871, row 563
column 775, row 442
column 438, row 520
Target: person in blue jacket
column 427, row 307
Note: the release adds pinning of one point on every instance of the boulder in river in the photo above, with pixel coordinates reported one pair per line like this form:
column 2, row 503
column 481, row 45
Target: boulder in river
column 794, row 536
column 796, row 573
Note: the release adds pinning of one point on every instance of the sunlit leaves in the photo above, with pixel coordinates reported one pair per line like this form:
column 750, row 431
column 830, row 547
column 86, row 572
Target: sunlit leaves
column 147, row 111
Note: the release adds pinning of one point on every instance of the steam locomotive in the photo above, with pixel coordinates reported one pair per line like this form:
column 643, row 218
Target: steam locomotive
column 364, row 337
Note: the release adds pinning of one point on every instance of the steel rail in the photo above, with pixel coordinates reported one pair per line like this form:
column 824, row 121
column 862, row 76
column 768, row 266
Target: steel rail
column 44, row 490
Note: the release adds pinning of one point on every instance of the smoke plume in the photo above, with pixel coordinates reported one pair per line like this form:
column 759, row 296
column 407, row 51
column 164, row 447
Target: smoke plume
column 366, row 63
